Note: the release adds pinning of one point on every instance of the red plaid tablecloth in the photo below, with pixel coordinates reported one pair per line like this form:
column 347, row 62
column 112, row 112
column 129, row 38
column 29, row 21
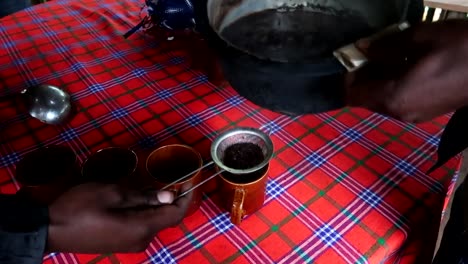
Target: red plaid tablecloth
column 345, row 187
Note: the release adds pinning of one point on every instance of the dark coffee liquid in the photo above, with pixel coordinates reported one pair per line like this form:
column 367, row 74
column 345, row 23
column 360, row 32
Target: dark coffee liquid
column 44, row 166
column 109, row 167
column 171, row 170
column 243, row 156
column 295, row 36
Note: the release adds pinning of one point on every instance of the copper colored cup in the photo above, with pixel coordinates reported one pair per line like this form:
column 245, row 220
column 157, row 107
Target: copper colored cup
column 169, row 163
column 242, row 190
column 46, row 173
column 243, row 195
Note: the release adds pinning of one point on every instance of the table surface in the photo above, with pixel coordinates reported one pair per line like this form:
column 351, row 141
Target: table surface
column 347, row 186
column 451, row 5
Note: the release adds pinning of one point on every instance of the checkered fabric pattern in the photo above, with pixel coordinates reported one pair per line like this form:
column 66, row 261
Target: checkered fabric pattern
column 345, row 187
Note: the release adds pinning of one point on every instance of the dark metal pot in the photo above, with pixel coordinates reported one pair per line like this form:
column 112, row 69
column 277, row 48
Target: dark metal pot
column 311, row 79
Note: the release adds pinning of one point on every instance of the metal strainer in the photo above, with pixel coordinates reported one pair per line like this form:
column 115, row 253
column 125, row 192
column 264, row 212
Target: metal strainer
column 241, row 135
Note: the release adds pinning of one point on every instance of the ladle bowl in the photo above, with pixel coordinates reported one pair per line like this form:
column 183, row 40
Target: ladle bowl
column 48, row 103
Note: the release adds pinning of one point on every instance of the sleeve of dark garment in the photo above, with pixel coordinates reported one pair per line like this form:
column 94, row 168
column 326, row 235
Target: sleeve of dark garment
column 454, row 244
column 453, row 140
column 23, row 231
column 8, row 7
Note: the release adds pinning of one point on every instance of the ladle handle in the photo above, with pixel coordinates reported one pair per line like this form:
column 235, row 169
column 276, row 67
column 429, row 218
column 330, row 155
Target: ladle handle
column 18, row 103
column 14, row 97
column 201, row 183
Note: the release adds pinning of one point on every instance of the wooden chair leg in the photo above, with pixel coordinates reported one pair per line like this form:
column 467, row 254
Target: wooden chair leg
column 443, row 15
column 430, row 14
column 455, row 15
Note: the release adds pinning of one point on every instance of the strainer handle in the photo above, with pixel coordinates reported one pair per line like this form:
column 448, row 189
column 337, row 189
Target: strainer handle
column 186, row 176
column 200, row 184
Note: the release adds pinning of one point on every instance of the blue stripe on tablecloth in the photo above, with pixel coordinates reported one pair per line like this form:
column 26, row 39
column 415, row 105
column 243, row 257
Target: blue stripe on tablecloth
column 235, row 100
column 406, row 167
column 315, row 159
column 352, row 134
column 162, row 256
column 434, row 141
column 328, row 235
column 222, row 223
column 9, row 159
column 68, row 135
column 273, row 189
column 370, row 198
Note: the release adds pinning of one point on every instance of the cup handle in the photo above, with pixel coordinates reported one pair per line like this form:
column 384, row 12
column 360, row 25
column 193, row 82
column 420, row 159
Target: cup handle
column 237, row 211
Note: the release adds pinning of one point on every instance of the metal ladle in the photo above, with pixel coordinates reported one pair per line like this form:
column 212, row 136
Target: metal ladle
column 47, row 103
column 221, row 143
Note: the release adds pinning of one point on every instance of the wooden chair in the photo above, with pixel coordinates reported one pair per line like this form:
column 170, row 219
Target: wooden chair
column 445, row 9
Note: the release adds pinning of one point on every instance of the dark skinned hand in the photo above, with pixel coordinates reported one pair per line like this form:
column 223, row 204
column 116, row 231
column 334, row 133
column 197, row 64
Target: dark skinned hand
column 415, row 75
column 97, row 218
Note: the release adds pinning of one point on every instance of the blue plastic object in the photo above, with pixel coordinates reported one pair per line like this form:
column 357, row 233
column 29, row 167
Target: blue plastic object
column 172, row 14
column 168, row 14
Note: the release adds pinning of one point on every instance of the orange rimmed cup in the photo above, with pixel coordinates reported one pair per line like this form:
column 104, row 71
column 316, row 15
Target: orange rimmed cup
column 167, row 164
column 243, row 155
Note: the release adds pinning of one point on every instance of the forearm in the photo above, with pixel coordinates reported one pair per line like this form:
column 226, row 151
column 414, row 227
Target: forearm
column 23, row 231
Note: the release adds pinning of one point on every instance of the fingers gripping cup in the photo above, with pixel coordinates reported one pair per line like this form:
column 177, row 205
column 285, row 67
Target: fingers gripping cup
column 169, row 164
column 244, row 155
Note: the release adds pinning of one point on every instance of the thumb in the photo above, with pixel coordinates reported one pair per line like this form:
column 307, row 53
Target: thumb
column 184, row 202
column 147, row 198
column 165, row 216
column 370, row 86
